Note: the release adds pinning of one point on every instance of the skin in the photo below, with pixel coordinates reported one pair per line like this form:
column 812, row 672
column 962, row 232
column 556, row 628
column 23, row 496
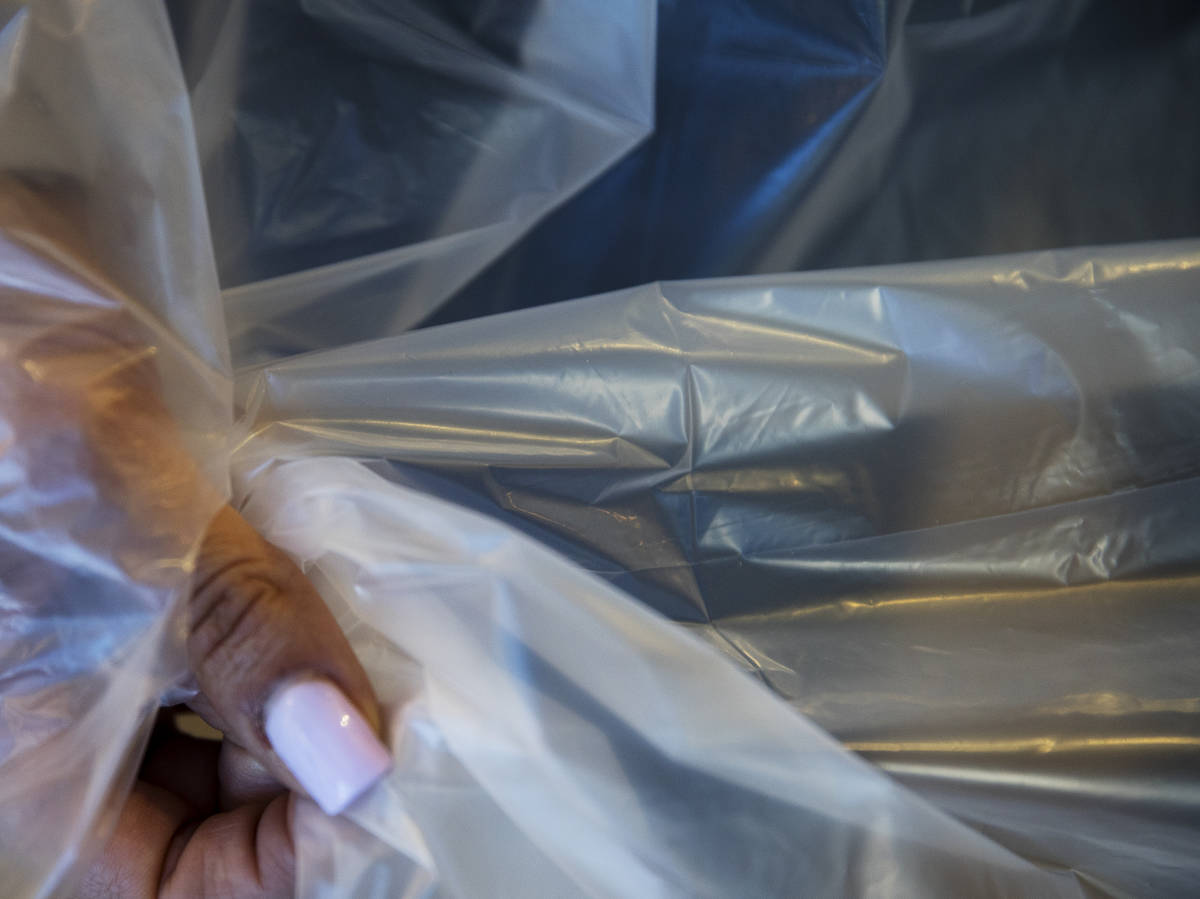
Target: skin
column 205, row 818
column 210, row 818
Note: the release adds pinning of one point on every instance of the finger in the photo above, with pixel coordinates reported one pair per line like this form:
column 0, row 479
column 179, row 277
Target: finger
column 243, row 778
column 80, row 387
column 184, row 766
column 278, row 676
column 212, row 773
column 159, row 850
column 244, row 852
column 133, row 860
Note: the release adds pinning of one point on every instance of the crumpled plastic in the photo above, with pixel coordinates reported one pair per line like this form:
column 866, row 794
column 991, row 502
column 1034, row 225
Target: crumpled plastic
column 107, row 287
column 363, row 160
column 948, row 511
column 552, row 736
column 943, row 514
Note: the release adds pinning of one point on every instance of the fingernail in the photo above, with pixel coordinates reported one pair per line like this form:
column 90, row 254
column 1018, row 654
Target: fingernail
column 325, row 742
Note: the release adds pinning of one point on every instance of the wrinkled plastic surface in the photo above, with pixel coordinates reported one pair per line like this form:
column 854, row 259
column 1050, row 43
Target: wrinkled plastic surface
column 879, row 133
column 555, row 738
column 107, row 288
column 363, row 160
column 948, row 511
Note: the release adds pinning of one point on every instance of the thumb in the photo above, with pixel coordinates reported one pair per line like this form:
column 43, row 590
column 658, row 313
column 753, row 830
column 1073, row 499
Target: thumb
column 274, row 670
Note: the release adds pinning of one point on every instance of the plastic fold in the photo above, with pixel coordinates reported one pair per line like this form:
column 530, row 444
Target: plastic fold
column 864, row 582
column 947, row 511
column 363, row 160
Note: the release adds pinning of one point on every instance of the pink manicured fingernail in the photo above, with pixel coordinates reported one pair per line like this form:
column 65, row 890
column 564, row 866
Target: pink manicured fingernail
column 325, row 742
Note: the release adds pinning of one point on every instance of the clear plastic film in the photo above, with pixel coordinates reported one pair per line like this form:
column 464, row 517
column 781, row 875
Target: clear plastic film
column 363, row 160
column 554, row 737
column 114, row 414
column 833, row 134
column 947, row 511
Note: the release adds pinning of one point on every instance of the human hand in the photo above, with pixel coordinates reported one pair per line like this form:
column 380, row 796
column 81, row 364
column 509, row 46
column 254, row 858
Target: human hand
column 79, row 393
column 278, row 678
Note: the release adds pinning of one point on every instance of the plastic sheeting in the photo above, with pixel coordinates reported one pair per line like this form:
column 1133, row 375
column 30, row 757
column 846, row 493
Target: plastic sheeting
column 363, row 160
column 832, row 133
column 948, row 511
column 108, row 298
column 555, row 738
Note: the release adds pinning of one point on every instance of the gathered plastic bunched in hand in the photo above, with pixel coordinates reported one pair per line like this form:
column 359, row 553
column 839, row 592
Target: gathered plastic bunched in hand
column 872, row 582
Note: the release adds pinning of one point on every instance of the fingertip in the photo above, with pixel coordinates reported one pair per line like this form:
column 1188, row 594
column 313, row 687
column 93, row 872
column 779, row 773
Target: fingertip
column 275, row 846
column 260, row 632
column 326, row 742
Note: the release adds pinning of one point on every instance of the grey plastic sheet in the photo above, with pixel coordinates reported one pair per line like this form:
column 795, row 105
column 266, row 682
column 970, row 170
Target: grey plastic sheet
column 552, row 736
column 947, row 511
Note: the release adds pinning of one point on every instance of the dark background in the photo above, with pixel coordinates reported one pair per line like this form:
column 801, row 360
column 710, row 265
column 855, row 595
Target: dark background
column 830, row 133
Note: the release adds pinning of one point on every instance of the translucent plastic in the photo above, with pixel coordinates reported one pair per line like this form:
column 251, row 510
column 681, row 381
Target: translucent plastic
column 363, row 160
column 94, row 544
column 946, row 514
column 108, row 300
column 554, row 738
column 828, row 134
column 948, row 511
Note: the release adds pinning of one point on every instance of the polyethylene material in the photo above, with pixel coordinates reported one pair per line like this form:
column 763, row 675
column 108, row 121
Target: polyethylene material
column 945, row 513
column 833, row 134
column 555, row 738
column 108, row 301
column 948, row 511
column 363, row 160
